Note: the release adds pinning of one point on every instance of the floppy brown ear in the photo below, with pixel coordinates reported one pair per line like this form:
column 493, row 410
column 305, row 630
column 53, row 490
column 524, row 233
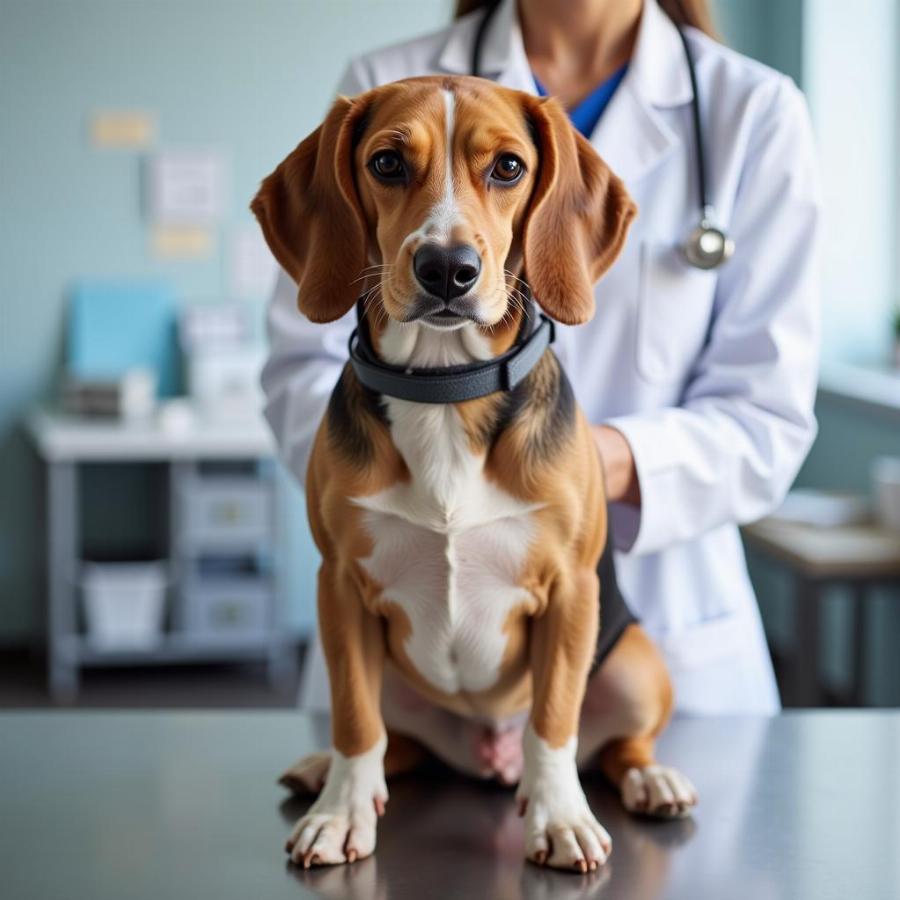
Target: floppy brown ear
column 311, row 217
column 577, row 220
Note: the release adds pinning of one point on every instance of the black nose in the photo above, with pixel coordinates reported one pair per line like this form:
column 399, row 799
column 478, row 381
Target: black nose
column 446, row 272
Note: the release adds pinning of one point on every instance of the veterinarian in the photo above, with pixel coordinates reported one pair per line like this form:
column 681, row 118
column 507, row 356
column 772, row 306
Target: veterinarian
column 699, row 368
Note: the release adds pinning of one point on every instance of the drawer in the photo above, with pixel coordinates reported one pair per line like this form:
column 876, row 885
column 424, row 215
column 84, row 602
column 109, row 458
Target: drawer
column 232, row 609
column 224, row 512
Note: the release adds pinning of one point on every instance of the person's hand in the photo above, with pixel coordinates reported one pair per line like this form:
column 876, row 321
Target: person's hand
column 618, row 465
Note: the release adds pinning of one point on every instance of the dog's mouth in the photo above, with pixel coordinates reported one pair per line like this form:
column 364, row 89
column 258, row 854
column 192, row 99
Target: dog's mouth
column 446, row 319
column 437, row 313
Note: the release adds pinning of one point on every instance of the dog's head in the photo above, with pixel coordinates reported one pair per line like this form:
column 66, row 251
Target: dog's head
column 449, row 189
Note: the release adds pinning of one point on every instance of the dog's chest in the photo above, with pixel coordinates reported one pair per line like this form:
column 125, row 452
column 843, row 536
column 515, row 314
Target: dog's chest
column 448, row 550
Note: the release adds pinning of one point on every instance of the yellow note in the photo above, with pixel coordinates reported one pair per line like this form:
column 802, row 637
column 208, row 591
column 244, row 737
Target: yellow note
column 122, row 129
column 181, row 242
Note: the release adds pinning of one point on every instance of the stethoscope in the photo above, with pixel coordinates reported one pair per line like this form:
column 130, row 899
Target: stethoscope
column 708, row 245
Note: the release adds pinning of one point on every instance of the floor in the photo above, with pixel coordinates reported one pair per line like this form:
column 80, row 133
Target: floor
column 166, row 687
column 170, row 687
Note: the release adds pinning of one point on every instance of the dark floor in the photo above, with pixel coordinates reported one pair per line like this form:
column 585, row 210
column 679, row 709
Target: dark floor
column 22, row 685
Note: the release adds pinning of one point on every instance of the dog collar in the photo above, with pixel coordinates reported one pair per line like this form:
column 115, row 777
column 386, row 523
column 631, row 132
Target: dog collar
column 451, row 384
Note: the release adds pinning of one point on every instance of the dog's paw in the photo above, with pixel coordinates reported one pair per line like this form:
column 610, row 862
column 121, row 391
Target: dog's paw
column 340, row 826
column 658, row 791
column 560, row 829
column 307, row 775
column 328, row 837
column 570, row 839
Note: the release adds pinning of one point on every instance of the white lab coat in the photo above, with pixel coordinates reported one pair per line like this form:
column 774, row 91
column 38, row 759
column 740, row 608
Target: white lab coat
column 709, row 375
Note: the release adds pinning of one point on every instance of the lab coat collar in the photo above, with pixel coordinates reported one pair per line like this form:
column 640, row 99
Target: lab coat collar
column 632, row 135
column 657, row 72
column 502, row 53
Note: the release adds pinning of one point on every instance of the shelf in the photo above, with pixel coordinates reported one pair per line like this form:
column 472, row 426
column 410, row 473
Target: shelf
column 874, row 388
column 172, row 650
column 66, row 438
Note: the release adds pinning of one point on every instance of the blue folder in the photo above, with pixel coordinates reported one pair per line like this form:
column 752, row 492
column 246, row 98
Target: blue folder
column 118, row 325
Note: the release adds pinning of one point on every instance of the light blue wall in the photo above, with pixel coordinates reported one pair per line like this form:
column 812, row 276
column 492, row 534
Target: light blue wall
column 249, row 76
column 768, row 30
column 852, row 73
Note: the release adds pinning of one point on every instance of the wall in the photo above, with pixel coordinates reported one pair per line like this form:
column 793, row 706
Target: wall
column 768, row 30
column 851, row 75
column 251, row 76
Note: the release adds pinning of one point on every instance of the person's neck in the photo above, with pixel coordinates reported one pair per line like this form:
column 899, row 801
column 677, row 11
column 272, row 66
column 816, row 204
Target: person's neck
column 574, row 45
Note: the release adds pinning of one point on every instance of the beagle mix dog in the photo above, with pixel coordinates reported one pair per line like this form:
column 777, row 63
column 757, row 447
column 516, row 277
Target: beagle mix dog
column 460, row 541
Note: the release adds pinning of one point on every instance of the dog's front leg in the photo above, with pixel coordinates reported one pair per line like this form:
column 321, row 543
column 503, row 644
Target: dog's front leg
column 560, row 829
column 340, row 825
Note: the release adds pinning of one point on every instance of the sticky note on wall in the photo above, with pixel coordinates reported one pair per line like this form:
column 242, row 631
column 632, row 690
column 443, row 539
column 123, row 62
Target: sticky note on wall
column 122, row 129
column 181, row 242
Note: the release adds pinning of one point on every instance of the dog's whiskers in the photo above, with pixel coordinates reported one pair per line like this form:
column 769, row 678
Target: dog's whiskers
column 372, row 272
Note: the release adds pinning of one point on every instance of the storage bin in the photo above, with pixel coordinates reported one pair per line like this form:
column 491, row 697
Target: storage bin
column 233, row 609
column 886, row 487
column 124, row 604
column 223, row 513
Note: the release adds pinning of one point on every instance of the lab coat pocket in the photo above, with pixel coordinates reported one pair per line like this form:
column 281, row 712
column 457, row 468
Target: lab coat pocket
column 705, row 643
column 674, row 310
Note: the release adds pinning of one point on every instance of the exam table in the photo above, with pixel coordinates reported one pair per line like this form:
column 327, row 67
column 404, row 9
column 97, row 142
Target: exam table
column 185, row 805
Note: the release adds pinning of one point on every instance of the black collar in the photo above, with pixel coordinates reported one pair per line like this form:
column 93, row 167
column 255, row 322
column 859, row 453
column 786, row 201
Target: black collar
column 452, row 384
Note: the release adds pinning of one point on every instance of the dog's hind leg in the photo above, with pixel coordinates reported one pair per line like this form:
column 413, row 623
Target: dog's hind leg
column 307, row 774
column 626, row 706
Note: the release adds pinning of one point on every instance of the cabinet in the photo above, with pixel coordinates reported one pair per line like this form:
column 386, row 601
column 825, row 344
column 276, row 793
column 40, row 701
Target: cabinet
column 224, row 599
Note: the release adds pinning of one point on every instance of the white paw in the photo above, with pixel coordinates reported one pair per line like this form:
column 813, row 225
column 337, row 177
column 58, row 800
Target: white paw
column 340, row 826
column 570, row 839
column 560, row 829
column 327, row 837
column 658, row 791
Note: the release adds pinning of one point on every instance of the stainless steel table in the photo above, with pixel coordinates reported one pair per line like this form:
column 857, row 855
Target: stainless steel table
column 184, row 805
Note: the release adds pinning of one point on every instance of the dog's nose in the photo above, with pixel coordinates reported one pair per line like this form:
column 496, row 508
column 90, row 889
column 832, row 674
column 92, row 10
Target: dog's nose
column 447, row 272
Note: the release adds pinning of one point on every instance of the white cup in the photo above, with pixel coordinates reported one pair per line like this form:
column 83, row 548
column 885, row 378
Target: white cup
column 886, row 488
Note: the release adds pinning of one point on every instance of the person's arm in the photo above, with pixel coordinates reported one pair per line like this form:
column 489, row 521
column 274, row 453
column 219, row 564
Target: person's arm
column 731, row 450
column 619, row 471
column 304, row 360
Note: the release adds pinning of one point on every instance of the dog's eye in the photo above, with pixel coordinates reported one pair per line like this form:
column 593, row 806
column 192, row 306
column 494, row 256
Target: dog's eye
column 508, row 169
column 387, row 165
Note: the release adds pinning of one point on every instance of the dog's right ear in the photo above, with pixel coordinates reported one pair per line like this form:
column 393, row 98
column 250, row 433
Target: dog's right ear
column 311, row 217
column 578, row 219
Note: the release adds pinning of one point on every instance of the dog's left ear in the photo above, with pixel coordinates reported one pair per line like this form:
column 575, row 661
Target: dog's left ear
column 311, row 216
column 577, row 219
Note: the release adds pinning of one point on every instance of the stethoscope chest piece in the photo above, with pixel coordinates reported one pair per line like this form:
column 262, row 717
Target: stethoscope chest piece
column 708, row 246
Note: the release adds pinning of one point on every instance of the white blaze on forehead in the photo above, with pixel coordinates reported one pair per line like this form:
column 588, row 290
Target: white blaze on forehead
column 445, row 213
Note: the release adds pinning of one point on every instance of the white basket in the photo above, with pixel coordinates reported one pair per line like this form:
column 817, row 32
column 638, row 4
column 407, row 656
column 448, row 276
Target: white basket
column 124, row 604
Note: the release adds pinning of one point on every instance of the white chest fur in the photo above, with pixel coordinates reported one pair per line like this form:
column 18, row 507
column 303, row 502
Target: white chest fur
column 448, row 545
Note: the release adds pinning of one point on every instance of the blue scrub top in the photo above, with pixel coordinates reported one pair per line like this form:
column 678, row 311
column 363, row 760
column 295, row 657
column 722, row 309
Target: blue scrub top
column 586, row 114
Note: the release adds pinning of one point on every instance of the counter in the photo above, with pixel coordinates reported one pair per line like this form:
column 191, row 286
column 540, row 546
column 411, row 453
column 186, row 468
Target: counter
column 185, row 805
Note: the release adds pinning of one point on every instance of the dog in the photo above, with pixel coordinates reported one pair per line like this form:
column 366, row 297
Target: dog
column 460, row 541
